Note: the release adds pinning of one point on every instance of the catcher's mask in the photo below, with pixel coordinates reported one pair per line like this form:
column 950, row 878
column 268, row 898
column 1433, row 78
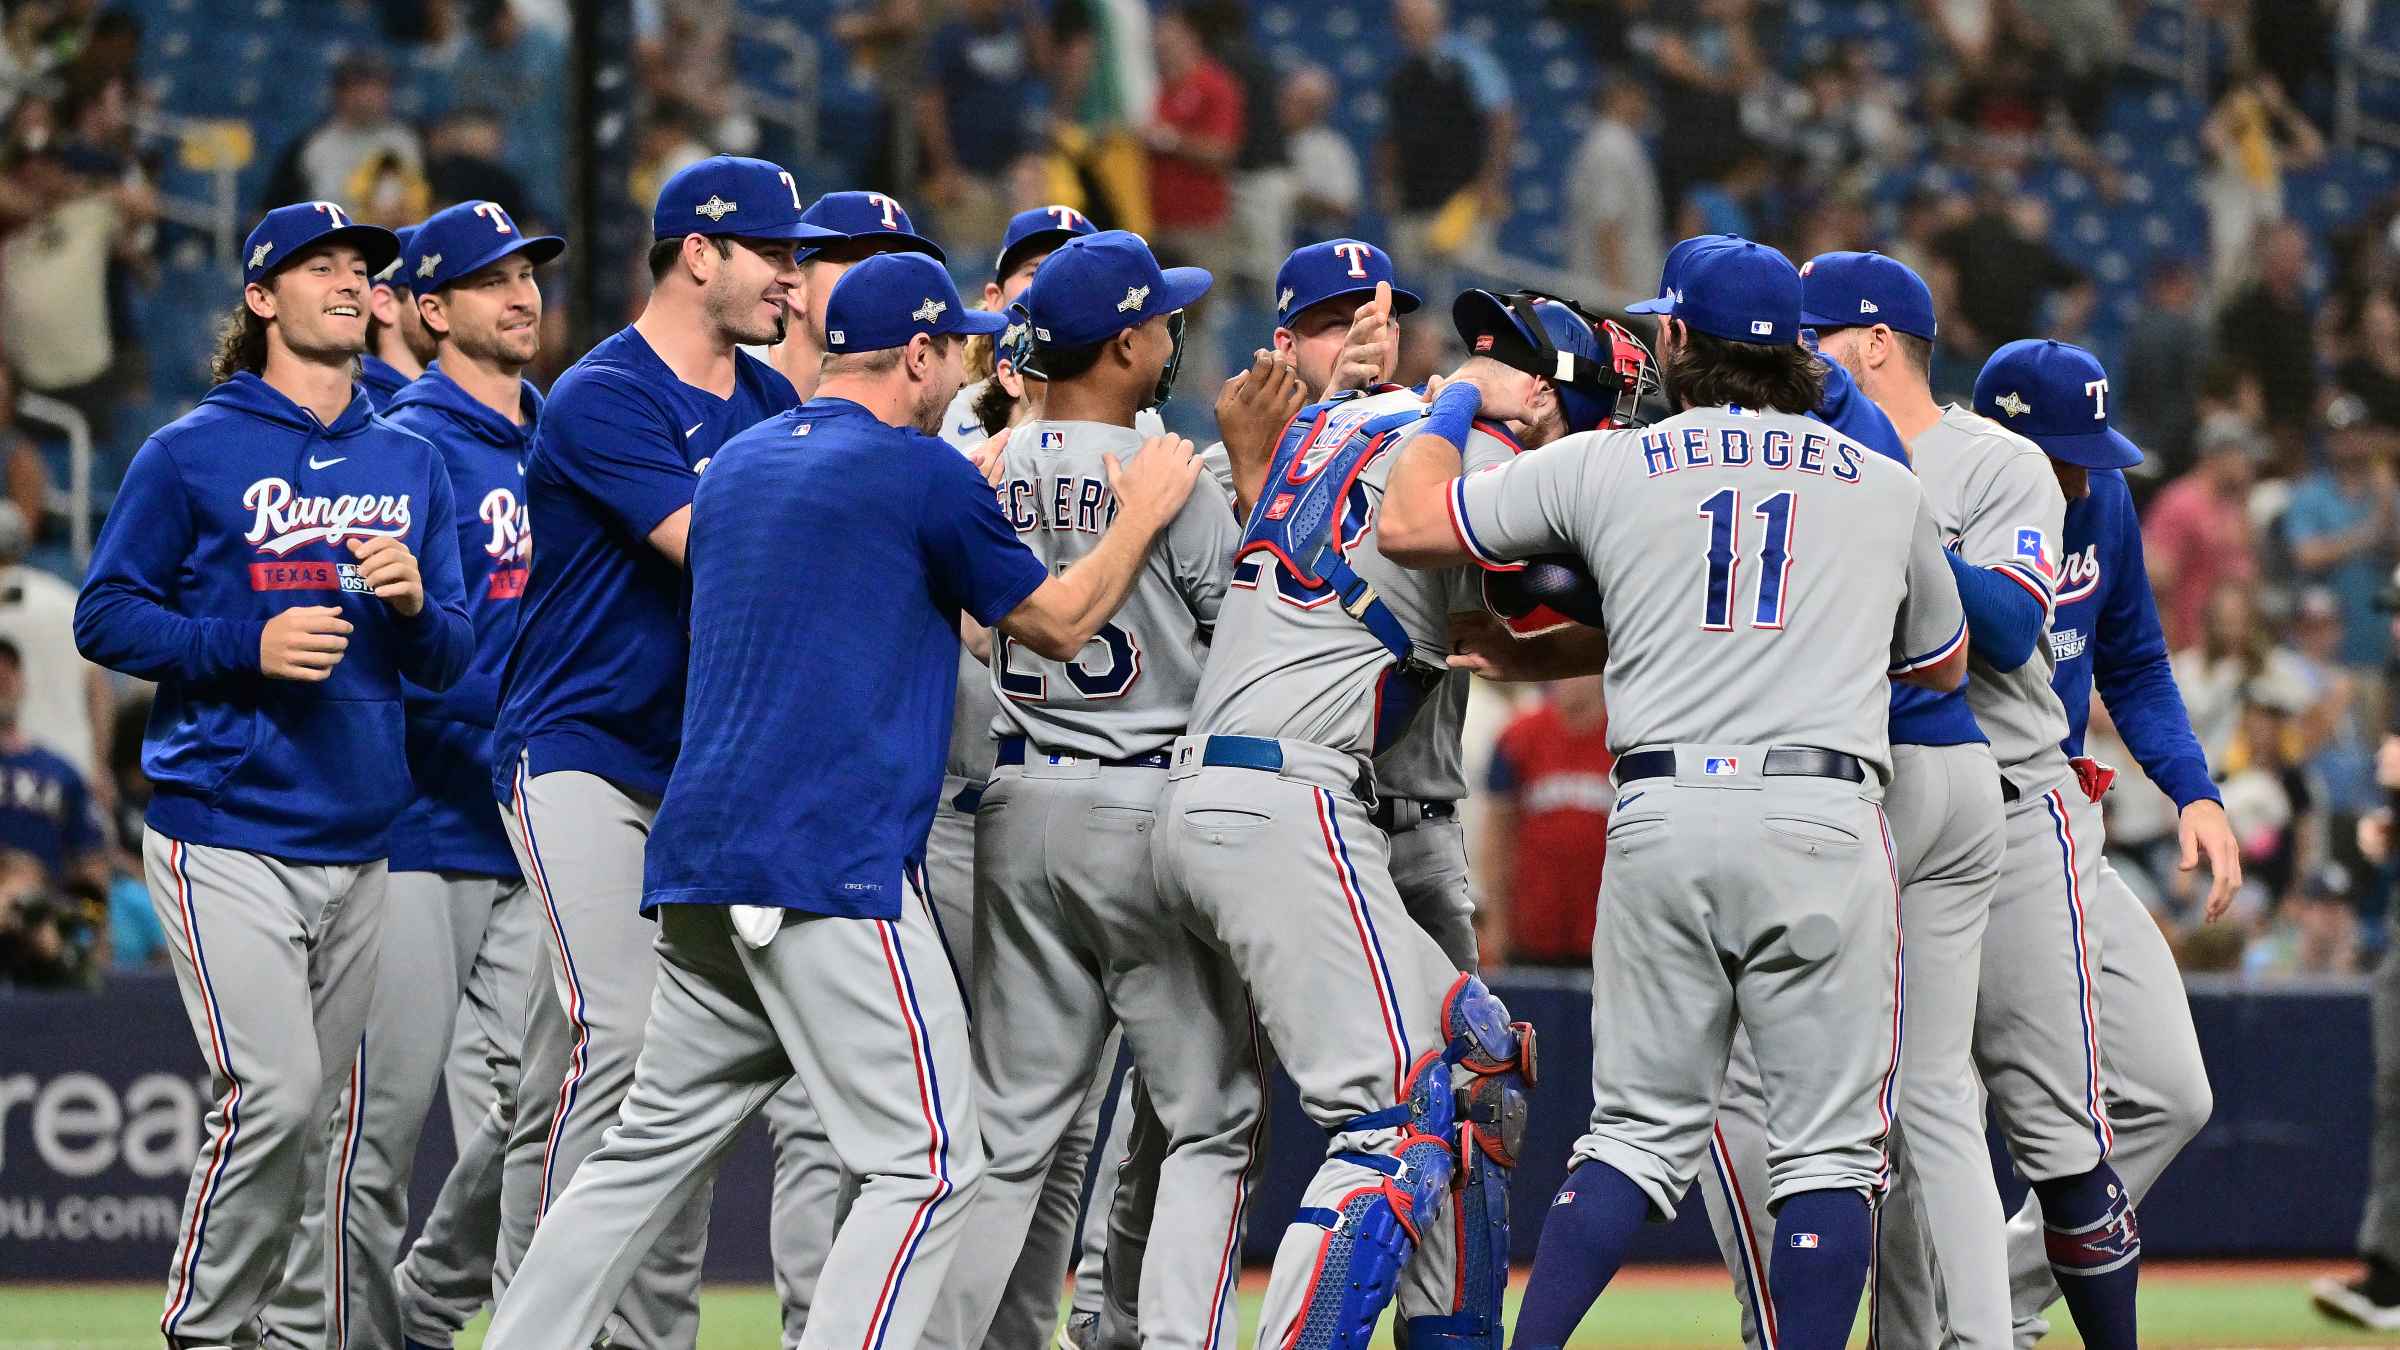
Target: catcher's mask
column 1600, row 369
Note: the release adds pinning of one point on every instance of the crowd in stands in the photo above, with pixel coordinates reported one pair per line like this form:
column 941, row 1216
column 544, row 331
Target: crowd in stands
column 2254, row 345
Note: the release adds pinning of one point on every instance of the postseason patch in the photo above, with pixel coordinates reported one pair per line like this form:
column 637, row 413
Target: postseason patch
column 2034, row 547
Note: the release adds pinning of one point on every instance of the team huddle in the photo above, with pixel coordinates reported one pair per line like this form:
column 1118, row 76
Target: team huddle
column 773, row 720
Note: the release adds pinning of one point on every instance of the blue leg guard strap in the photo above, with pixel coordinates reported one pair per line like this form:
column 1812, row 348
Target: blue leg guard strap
column 1482, row 1219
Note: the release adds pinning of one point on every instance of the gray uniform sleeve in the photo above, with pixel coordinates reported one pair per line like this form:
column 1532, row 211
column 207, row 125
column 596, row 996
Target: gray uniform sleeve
column 1531, row 503
column 1220, row 467
column 2016, row 521
column 1931, row 624
column 1200, row 545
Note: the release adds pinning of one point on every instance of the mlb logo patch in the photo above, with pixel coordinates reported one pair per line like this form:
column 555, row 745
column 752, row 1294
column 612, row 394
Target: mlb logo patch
column 1280, row 507
column 1805, row 1241
column 2034, row 547
column 1717, row 766
column 1564, row 1198
column 1762, row 328
column 1054, row 440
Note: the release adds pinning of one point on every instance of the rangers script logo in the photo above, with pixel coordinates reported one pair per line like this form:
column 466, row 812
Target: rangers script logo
column 282, row 521
column 510, row 545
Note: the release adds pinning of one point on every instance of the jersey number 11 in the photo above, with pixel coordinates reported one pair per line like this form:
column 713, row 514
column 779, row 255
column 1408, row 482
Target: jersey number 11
column 1723, row 512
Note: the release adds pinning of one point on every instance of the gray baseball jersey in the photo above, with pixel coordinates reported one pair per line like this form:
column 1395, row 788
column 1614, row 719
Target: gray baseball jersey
column 1130, row 691
column 1998, row 505
column 1291, row 665
column 963, row 429
column 1708, row 534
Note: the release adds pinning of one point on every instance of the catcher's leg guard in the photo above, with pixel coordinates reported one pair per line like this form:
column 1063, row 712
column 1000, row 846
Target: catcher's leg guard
column 1496, row 1056
column 1371, row 1234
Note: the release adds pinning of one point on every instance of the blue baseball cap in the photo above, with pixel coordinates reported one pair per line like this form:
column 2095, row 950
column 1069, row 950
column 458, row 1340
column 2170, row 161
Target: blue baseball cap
column 2054, row 394
column 390, row 276
column 731, row 195
column 1741, row 292
column 871, row 218
column 1855, row 290
column 1316, row 273
column 891, row 297
column 1670, row 277
column 289, row 231
column 1043, row 228
column 1098, row 285
column 460, row 240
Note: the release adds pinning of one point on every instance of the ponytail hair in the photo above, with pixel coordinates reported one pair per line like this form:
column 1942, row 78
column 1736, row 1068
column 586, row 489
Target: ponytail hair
column 241, row 344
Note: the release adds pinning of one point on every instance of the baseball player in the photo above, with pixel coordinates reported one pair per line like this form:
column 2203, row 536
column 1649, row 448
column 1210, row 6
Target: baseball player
column 857, row 225
column 398, row 346
column 1064, row 897
column 1947, row 829
column 2036, row 1010
column 1010, row 397
column 1320, row 660
column 2106, row 634
column 796, row 943
column 592, row 691
column 460, row 941
column 261, row 566
column 1750, row 877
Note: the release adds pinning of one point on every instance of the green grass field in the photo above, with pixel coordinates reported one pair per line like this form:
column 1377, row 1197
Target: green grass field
column 2184, row 1307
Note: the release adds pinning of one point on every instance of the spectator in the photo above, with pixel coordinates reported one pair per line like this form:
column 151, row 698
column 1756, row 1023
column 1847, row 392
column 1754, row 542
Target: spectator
column 1262, row 164
column 54, row 315
column 2372, row 368
column 1705, row 67
column 1193, row 136
column 46, row 809
column 360, row 155
column 1449, row 131
column 2264, row 331
column 2313, row 932
column 2343, row 525
column 68, row 704
column 2004, row 270
column 48, row 940
column 2077, row 44
column 976, row 114
column 516, row 72
column 2268, row 791
column 467, row 161
column 27, row 481
column 2252, row 136
column 2198, row 534
column 1545, row 829
column 1323, row 186
column 2165, row 352
column 1613, row 200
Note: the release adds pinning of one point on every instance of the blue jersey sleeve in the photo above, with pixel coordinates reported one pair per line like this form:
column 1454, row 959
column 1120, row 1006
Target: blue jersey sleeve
column 973, row 557
column 2004, row 619
column 127, row 617
column 621, row 450
column 2129, row 668
column 434, row 647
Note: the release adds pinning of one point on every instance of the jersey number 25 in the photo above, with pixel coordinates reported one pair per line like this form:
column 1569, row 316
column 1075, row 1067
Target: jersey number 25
column 1723, row 512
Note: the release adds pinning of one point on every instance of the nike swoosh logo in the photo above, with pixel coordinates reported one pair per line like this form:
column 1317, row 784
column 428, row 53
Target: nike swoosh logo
column 687, row 431
column 967, row 428
column 316, row 463
column 520, row 471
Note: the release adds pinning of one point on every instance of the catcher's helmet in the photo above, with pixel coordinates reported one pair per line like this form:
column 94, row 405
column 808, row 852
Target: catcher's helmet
column 1600, row 369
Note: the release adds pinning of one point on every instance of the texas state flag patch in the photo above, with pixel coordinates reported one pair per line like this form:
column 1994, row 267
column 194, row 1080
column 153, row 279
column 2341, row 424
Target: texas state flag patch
column 2034, row 547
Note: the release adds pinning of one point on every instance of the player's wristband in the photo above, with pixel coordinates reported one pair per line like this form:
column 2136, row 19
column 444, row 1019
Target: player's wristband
column 1453, row 412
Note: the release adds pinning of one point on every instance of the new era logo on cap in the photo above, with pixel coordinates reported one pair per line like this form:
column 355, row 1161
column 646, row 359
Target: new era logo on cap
column 1868, row 307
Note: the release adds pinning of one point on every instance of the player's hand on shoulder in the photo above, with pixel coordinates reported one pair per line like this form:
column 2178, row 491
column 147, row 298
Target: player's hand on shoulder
column 303, row 643
column 1507, row 391
column 989, row 457
column 390, row 570
column 1153, row 486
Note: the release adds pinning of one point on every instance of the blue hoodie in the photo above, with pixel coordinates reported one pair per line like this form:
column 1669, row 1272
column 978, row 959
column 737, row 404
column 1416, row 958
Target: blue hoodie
column 452, row 825
column 227, row 517
column 380, row 380
column 2106, row 632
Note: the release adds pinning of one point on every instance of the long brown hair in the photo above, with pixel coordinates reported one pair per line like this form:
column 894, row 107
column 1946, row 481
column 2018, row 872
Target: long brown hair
column 1710, row 372
column 241, row 344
